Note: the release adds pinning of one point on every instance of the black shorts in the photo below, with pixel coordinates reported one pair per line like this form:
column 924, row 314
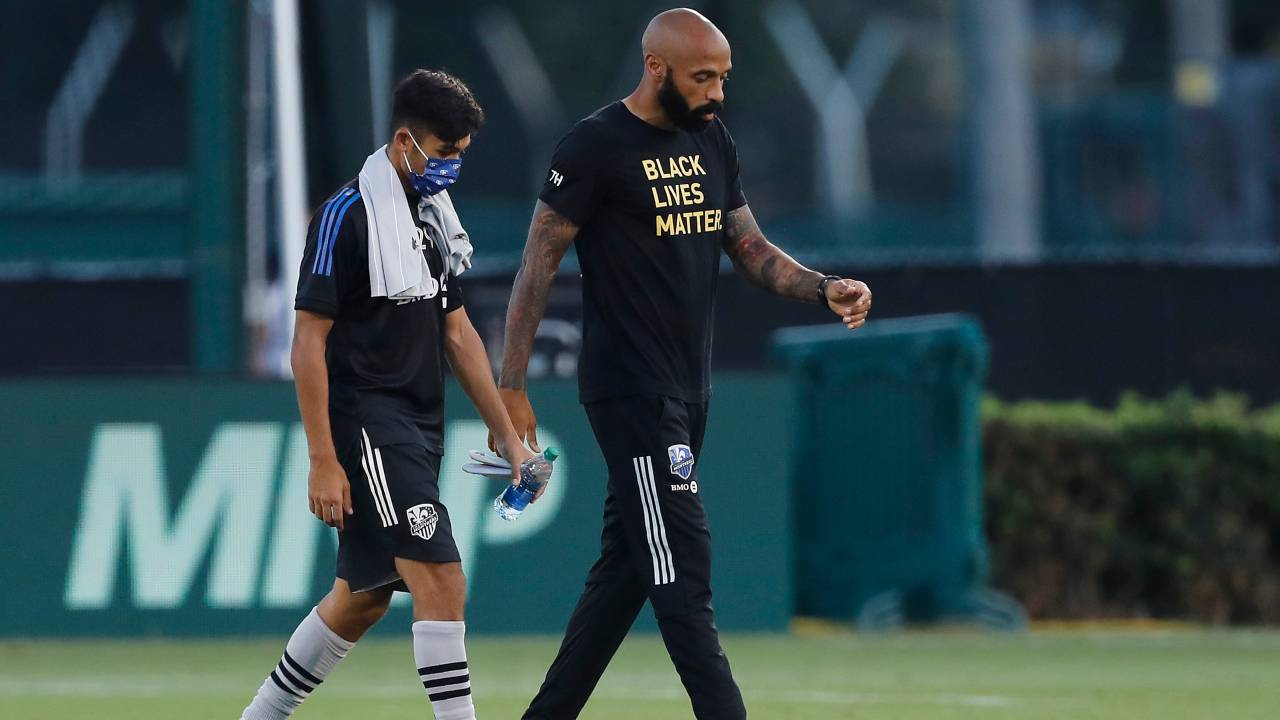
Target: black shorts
column 655, row 528
column 395, row 496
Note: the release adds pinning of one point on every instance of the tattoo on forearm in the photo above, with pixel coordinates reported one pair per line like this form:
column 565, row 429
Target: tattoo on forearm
column 769, row 272
column 550, row 235
column 762, row 262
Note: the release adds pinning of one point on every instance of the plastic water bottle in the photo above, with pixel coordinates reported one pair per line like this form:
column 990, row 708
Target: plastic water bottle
column 533, row 475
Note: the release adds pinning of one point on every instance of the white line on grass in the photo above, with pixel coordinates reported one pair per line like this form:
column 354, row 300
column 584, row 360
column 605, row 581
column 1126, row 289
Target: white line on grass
column 206, row 687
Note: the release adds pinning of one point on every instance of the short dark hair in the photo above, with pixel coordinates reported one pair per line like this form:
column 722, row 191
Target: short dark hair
column 438, row 102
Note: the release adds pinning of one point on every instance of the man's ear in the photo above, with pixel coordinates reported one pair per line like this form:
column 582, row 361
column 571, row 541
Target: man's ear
column 401, row 139
column 657, row 69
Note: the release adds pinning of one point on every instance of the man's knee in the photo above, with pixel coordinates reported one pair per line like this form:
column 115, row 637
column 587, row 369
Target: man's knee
column 351, row 614
column 373, row 608
column 439, row 589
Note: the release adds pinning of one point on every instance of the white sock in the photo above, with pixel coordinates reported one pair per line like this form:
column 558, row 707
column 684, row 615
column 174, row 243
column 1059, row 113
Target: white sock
column 311, row 653
column 441, row 654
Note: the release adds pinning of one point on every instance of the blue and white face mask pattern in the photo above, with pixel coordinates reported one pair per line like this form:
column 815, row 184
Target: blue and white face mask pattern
column 436, row 176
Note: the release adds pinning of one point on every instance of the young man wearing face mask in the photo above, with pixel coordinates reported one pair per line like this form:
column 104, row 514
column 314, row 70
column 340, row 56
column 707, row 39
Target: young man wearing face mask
column 379, row 310
column 647, row 188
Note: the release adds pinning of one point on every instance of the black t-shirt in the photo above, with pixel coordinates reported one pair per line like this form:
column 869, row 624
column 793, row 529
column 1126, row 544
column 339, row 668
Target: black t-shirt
column 385, row 357
column 650, row 205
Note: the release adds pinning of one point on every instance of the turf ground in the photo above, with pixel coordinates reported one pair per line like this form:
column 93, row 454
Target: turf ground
column 1168, row 675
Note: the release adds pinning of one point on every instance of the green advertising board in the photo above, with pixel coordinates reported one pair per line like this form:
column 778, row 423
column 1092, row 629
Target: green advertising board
column 178, row 507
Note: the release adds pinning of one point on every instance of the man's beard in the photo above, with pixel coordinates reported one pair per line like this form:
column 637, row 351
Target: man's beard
column 678, row 110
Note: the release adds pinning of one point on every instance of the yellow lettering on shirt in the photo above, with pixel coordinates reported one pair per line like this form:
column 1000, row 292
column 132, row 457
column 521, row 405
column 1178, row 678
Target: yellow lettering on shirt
column 657, row 201
column 680, row 195
column 666, row 225
column 696, row 190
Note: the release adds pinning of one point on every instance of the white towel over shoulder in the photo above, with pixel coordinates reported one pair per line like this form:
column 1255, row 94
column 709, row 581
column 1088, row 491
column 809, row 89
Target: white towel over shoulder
column 397, row 267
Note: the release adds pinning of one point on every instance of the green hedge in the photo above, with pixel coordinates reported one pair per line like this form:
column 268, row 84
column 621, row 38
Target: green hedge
column 1155, row 509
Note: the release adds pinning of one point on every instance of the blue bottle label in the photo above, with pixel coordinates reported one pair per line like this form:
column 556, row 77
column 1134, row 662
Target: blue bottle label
column 516, row 498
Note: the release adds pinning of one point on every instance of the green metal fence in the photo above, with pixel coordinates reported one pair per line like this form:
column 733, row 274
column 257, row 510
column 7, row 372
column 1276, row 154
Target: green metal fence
column 132, row 222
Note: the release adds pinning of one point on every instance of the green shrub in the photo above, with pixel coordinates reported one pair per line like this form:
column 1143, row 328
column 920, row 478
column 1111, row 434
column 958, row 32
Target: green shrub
column 1163, row 509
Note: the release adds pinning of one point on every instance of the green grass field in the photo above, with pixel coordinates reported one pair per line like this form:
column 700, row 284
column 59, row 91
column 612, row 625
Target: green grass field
column 1077, row 675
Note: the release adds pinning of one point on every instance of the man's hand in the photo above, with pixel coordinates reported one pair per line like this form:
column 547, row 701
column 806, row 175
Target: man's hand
column 514, row 452
column 522, row 418
column 526, row 425
column 328, row 492
column 851, row 300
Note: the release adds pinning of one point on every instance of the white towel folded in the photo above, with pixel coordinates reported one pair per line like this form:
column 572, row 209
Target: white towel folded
column 397, row 266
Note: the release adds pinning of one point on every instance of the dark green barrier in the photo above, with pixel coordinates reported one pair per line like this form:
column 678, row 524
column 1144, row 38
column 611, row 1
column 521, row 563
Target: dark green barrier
column 179, row 507
column 888, row 443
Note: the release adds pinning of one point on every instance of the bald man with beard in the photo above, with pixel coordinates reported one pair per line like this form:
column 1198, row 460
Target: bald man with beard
column 648, row 190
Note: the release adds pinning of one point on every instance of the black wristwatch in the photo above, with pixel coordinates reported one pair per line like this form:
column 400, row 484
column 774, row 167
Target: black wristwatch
column 822, row 288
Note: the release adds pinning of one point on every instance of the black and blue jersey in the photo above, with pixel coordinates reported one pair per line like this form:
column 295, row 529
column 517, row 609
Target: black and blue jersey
column 385, row 357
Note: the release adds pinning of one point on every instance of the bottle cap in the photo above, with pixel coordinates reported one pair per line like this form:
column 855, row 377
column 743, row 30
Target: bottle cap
column 550, row 454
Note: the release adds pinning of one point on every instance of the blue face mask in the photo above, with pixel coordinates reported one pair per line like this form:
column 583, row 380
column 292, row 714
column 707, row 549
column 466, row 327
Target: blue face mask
column 436, row 176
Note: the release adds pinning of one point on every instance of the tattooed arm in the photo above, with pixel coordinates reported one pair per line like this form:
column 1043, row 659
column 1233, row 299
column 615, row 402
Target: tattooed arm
column 763, row 263
column 550, row 235
column 767, row 266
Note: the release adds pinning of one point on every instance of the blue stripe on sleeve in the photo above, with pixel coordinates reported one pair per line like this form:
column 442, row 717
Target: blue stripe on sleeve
column 324, row 224
column 333, row 233
column 323, row 244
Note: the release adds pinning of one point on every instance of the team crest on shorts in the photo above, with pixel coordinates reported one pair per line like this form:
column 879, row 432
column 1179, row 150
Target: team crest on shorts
column 422, row 520
column 681, row 461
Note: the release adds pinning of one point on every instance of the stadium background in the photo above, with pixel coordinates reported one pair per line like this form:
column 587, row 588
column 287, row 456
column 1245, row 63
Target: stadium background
column 1093, row 186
